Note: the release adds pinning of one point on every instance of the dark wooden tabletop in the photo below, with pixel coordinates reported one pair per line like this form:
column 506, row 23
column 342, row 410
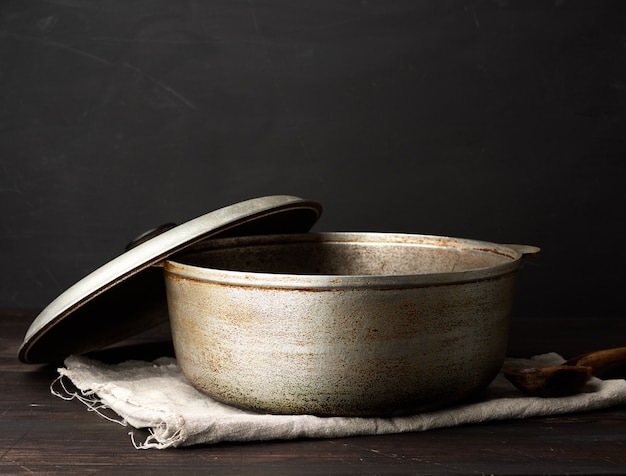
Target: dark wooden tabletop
column 44, row 434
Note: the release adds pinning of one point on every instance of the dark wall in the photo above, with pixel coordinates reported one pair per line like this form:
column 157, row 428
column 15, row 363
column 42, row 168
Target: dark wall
column 497, row 120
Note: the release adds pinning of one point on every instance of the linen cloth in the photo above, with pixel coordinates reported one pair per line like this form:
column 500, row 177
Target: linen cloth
column 156, row 396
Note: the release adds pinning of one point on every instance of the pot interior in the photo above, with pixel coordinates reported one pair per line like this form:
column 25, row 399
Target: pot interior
column 351, row 254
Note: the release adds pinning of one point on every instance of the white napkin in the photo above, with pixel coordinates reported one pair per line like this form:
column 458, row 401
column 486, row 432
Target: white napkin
column 156, row 396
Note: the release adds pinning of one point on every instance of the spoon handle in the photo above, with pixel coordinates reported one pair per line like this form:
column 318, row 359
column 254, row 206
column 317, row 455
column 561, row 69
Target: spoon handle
column 600, row 358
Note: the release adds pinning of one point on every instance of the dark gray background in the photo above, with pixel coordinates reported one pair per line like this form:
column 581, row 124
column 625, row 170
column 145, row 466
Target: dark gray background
column 497, row 120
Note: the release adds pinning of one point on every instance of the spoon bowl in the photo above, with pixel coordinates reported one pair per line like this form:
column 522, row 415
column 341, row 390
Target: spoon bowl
column 550, row 381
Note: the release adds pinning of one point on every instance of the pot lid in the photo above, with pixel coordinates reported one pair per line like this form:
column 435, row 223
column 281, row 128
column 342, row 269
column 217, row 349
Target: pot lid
column 127, row 295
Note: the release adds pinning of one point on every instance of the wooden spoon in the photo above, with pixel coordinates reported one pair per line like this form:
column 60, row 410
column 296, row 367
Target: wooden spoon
column 565, row 379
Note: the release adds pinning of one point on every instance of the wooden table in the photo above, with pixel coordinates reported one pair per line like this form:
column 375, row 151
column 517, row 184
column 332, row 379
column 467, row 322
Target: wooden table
column 44, row 434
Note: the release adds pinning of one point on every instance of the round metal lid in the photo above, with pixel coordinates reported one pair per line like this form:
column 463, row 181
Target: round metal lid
column 127, row 295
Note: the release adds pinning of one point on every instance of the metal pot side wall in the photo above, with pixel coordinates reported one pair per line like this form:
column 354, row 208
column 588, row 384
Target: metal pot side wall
column 348, row 351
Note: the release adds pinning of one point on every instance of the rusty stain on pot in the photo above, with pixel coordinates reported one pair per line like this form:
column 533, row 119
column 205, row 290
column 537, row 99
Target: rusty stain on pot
column 357, row 324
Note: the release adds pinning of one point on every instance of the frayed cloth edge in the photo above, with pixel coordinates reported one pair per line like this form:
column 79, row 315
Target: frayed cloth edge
column 60, row 387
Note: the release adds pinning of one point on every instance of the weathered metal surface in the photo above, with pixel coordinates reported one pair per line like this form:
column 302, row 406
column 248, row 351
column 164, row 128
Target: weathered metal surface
column 342, row 324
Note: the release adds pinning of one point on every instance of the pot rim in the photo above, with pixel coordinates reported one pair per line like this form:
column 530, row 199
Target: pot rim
column 176, row 266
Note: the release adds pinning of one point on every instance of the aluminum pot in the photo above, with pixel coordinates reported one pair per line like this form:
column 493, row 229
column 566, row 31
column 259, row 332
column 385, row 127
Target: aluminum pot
column 351, row 324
